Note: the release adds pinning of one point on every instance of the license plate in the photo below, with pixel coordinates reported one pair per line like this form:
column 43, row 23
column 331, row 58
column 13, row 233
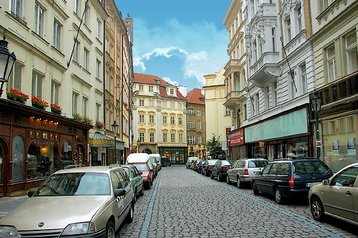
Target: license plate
column 308, row 185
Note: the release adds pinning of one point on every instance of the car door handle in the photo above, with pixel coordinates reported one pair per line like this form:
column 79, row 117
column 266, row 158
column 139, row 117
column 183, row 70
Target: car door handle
column 348, row 193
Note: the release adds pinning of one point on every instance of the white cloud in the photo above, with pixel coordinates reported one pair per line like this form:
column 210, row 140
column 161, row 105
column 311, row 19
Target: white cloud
column 169, row 80
column 138, row 62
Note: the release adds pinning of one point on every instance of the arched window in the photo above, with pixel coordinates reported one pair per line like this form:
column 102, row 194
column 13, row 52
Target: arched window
column 18, row 167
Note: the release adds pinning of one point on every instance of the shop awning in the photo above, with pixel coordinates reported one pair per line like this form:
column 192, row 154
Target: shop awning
column 100, row 140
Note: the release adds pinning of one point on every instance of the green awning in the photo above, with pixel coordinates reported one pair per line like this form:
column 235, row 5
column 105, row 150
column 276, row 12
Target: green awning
column 100, row 140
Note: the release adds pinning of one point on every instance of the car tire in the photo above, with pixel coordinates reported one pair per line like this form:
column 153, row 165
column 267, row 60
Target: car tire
column 238, row 182
column 130, row 214
column 141, row 193
column 228, row 179
column 255, row 189
column 135, row 195
column 317, row 209
column 278, row 196
column 219, row 179
column 211, row 176
column 110, row 230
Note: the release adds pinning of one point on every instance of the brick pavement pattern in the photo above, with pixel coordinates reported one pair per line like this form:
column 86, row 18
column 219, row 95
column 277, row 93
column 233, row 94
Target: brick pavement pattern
column 183, row 203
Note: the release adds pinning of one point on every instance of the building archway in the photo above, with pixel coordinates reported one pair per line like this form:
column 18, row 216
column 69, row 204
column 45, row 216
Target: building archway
column 148, row 151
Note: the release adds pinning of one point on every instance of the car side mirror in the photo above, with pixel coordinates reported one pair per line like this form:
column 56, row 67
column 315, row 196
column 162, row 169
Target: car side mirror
column 325, row 182
column 140, row 172
column 30, row 193
column 119, row 192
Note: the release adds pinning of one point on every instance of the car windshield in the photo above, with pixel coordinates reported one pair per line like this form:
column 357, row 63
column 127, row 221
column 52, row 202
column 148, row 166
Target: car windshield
column 225, row 162
column 141, row 167
column 211, row 162
column 311, row 167
column 75, row 184
column 257, row 163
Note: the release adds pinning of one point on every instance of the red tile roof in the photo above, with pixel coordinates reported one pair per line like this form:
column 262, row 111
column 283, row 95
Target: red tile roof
column 155, row 80
column 195, row 96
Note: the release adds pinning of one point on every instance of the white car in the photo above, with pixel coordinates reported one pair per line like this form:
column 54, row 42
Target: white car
column 337, row 196
column 77, row 202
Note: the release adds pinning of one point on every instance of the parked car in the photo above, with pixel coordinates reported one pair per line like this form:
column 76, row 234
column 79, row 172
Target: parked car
column 337, row 196
column 157, row 159
column 153, row 160
column 219, row 169
column 208, row 166
column 144, row 164
column 243, row 170
column 136, row 180
column 97, row 200
column 201, row 165
column 284, row 178
column 146, row 173
column 165, row 161
column 190, row 162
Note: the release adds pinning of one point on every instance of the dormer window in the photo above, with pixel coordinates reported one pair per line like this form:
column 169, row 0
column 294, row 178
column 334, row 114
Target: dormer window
column 172, row 91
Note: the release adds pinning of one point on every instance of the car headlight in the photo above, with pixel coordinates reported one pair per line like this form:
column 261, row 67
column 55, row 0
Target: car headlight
column 79, row 228
column 9, row 231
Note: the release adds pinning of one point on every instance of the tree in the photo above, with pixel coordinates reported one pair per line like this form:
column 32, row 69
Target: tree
column 214, row 146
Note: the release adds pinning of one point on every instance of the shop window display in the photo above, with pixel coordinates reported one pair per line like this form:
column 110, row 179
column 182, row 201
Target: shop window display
column 18, row 159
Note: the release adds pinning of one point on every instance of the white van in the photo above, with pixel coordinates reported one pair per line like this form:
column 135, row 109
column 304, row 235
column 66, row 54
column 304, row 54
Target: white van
column 140, row 158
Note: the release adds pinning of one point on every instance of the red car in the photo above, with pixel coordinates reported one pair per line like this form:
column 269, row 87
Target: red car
column 146, row 173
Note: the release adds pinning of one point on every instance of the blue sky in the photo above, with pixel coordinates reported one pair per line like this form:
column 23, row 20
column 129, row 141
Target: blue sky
column 178, row 40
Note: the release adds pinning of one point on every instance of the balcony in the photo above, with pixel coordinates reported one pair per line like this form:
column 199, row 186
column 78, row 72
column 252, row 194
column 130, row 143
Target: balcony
column 234, row 98
column 264, row 69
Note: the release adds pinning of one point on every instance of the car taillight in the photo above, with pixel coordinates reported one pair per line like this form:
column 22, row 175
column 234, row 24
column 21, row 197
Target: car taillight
column 209, row 166
column 291, row 182
column 246, row 172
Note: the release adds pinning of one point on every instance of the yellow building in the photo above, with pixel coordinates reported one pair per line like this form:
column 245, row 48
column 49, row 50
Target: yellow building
column 218, row 121
column 196, row 123
column 159, row 120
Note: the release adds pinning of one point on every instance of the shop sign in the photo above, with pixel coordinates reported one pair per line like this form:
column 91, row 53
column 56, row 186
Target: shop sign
column 237, row 137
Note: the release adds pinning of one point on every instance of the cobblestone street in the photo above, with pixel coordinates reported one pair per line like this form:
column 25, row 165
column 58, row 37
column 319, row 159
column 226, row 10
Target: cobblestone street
column 183, row 203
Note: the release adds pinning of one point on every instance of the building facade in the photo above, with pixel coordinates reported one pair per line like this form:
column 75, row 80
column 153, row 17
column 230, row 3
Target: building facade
column 160, row 114
column 57, row 69
column 196, row 123
column 334, row 40
column 220, row 116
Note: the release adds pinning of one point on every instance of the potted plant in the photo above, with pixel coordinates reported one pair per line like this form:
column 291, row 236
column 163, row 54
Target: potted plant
column 99, row 125
column 56, row 108
column 38, row 103
column 14, row 94
column 87, row 121
column 77, row 117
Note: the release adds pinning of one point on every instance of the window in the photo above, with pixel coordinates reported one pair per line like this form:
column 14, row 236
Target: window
column 172, row 120
column 141, row 137
column 15, row 77
column 16, row 7
column 257, row 100
column 76, row 51
column 267, row 97
column 325, row 4
column 253, row 109
column 98, row 69
column 99, row 29
column 172, row 137
column 37, row 81
column 141, row 102
column 150, row 88
column 198, row 125
column 288, row 29
column 86, row 58
column 55, row 88
column 342, row 125
column 331, row 63
column 274, row 94
column 299, row 18
column 77, row 8
column 254, row 51
column 151, row 137
column 164, row 119
column 165, row 137
column 39, row 19
column 293, row 88
column 140, row 87
column 57, row 28
column 141, row 118
column 98, row 109
column 227, row 111
column 84, row 106
column 198, row 112
column 86, row 18
column 74, row 103
column 190, row 112
column 180, row 138
column 346, row 178
column 245, row 112
column 180, row 121
column 200, row 139
column 191, row 140
column 350, row 124
column 151, row 118
column 351, row 52
column 172, row 91
column 191, row 124
column 303, row 78
column 273, row 36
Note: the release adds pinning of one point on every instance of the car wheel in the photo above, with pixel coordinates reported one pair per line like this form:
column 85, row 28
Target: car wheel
column 317, row 210
column 141, row 193
column 211, row 176
column 278, row 196
column 227, row 179
column 110, row 232
column 255, row 189
column 130, row 214
column 219, row 179
column 135, row 195
column 238, row 181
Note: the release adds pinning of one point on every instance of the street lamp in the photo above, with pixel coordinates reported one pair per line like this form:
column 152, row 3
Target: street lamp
column 114, row 129
column 7, row 61
column 316, row 103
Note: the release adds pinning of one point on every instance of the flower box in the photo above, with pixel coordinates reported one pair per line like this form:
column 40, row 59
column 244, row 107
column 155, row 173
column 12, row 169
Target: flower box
column 38, row 103
column 14, row 94
column 56, row 109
